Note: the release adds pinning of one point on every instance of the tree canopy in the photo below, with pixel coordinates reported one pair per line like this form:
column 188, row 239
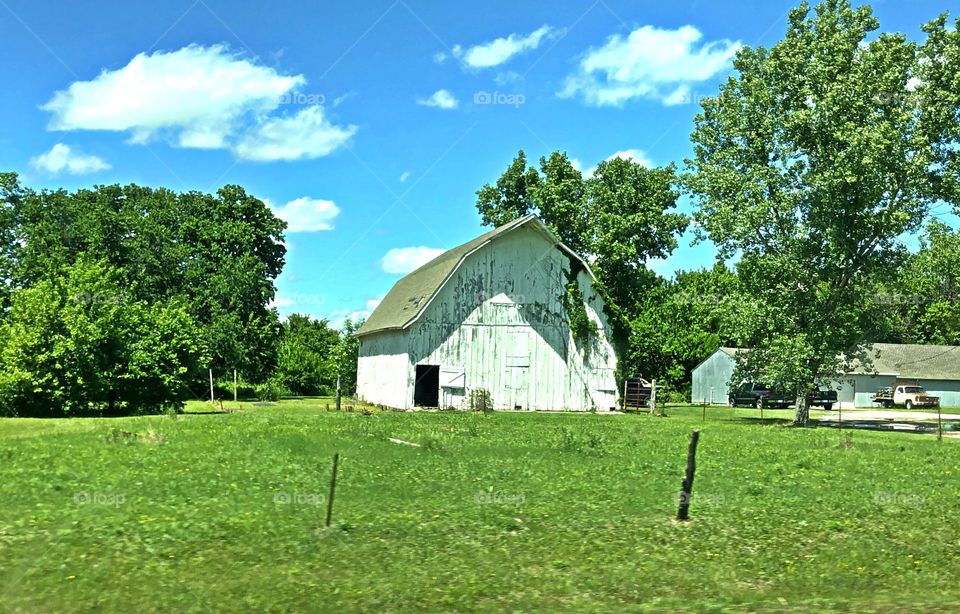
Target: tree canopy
column 187, row 275
column 810, row 164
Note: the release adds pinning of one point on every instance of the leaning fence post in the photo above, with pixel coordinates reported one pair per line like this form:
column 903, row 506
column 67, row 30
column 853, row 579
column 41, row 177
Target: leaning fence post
column 686, row 488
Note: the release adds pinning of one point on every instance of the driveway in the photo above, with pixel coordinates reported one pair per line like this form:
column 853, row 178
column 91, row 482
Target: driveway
column 892, row 420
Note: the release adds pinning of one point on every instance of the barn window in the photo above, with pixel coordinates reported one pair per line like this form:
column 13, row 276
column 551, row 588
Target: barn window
column 426, row 389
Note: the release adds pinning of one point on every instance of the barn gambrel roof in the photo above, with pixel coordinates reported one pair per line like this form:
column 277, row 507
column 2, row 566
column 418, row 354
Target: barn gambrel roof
column 410, row 296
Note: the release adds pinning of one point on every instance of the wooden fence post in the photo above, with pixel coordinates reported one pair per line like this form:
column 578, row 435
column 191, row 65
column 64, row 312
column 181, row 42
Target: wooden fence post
column 234, row 385
column 653, row 396
column 211, row 385
column 686, row 488
column 338, row 393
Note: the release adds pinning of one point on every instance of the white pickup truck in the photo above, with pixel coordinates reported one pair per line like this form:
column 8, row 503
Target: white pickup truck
column 905, row 395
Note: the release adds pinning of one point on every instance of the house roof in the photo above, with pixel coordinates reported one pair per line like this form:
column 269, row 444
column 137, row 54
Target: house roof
column 410, row 296
column 914, row 361
column 906, row 360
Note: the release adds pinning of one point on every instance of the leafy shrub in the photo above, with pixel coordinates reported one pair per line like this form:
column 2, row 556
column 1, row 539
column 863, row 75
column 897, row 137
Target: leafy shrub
column 14, row 386
column 592, row 444
column 270, row 390
column 77, row 342
column 480, row 400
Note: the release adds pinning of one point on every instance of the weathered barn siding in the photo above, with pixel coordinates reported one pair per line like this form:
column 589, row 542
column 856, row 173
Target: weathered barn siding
column 711, row 378
column 500, row 321
column 383, row 368
column 501, row 318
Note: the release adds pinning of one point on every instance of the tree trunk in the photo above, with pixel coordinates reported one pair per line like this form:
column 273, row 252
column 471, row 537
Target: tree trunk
column 803, row 409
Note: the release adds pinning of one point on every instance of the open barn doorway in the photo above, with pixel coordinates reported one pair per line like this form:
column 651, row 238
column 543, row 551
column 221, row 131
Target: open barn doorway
column 426, row 389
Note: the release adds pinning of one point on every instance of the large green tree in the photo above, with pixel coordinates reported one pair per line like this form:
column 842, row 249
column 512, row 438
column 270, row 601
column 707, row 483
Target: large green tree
column 809, row 164
column 78, row 341
column 215, row 254
column 306, row 364
column 681, row 321
column 925, row 297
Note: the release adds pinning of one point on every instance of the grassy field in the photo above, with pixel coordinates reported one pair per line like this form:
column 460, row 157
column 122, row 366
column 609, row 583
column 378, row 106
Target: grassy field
column 523, row 512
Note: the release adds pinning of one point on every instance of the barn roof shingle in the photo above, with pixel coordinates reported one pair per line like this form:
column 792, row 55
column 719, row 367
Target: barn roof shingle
column 410, row 296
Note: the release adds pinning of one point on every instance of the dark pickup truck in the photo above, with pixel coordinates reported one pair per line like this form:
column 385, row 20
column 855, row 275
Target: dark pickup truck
column 760, row 395
column 822, row 398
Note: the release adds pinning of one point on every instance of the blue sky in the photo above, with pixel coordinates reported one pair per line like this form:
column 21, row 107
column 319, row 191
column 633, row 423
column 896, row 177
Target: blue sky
column 367, row 125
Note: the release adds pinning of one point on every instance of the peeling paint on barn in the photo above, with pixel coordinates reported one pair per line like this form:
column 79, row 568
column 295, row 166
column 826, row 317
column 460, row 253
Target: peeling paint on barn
column 493, row 314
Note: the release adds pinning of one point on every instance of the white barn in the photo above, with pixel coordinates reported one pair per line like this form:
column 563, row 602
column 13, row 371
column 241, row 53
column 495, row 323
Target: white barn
column 489, row 315
column 935, row 367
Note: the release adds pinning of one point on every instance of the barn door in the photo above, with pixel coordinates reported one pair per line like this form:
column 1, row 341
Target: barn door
column 518, row 387
column 518, row 367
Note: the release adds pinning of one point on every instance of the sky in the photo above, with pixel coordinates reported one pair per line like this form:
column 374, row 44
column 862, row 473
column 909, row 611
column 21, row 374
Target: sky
column 368, row 126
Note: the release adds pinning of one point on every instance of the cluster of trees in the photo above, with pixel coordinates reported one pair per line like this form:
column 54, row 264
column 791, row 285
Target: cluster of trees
column 312, row 355
column 810, row 165
column 118, row 299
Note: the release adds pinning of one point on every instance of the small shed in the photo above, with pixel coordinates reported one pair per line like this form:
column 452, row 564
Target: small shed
column 711, row 378
column 492, row 319
column 935, row 367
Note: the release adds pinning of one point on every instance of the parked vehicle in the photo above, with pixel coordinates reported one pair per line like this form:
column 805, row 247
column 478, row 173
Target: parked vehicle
column 905, row 394
column 824, row 398
column 759, row 395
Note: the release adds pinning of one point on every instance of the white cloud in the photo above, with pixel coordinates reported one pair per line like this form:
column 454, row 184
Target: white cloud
column 279, row 302
column 339, row 100
column 441, row 99
column 338, row 317
column 302, row 302
column 651, row 63
column 499, row 51
column 307, row 214
column 404, row 176
column 637, row 155
column 405, row 259
column 308, row 134
column 62, row 158
column 196, row 97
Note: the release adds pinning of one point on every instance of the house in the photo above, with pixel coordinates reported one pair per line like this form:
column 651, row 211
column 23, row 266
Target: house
column 492, row 316
column 935, row 367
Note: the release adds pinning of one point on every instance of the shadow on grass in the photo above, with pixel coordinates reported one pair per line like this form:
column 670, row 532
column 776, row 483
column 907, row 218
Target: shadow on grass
column 761, row 421
column 888, row 425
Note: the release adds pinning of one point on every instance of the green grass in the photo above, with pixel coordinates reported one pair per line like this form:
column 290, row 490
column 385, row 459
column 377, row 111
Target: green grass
column 532, row 512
